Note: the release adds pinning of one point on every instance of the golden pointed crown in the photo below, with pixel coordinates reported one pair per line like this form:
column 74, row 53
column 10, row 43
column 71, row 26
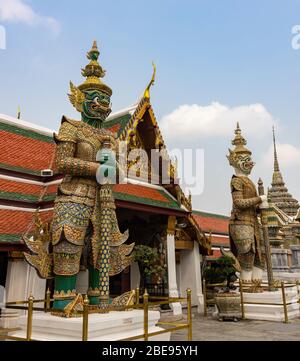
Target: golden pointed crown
column 93, row 72
column 239, row 142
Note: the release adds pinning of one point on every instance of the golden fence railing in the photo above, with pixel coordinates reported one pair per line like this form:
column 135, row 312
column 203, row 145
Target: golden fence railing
column 244, row 287
column 146, row 305
column 283, row 286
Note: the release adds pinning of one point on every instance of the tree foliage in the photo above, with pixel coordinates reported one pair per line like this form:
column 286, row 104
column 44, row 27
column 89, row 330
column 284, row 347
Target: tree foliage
column 220, row 271
column 148, row 262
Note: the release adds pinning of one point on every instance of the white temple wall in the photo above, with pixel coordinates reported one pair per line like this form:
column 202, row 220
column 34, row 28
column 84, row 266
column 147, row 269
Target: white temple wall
column 23, row 280
column 190, row 275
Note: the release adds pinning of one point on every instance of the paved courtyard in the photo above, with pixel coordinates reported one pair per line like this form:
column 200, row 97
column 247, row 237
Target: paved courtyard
column 210, row 329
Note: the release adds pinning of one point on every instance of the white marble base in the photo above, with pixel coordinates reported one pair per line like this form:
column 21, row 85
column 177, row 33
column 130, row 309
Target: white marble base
column 284, row 276
column 111, row 326
column 9, row 318
column 200, row 308
column 262, row 311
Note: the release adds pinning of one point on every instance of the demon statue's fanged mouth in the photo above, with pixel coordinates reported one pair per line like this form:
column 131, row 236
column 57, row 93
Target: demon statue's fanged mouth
column 245, row 163
column 96, row 105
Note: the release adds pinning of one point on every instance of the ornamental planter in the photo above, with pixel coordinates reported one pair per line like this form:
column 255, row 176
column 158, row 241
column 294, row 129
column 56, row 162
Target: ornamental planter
column 229, row 305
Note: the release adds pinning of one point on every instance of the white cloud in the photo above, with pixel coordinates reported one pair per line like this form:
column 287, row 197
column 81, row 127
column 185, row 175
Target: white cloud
column 19, row 11
column 288, row 156
column 196, row 121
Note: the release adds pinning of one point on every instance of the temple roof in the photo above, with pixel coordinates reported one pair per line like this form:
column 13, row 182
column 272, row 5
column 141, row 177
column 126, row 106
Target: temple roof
column 17, row 137
column 26, row 149
column 15, row 189
column 15, row 222
column 211, row 222
column 117, row 121
column 278, row 193
column 18, row 190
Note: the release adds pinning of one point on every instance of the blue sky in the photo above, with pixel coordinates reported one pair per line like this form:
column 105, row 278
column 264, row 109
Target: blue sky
column 233, row 53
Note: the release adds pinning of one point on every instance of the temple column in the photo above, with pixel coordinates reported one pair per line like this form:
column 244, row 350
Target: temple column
column 21, row 281
column 134, row 276
column 190, row 270
column 172, row 282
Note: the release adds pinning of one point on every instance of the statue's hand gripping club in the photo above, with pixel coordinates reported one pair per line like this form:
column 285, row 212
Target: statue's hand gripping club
column 106, row 172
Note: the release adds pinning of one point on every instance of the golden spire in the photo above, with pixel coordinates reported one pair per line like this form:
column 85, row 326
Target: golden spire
column 239, row 141
column 278, row 193
column 147, row 90
column 276, row 164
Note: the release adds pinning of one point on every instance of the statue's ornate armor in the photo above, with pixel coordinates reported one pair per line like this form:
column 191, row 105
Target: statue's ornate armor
column 84, row 224
column 77, row 208
column 244, row 226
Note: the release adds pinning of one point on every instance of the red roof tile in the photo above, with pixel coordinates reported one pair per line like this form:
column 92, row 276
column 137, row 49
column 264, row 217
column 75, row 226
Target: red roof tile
column 145, row 195
column 210, row 222
column 216, row 254
column 222, row 241
column 140, row 191
column 20, row 191
column 19, row 187
column 115, row 128
column 19, row 222
column 24, row 152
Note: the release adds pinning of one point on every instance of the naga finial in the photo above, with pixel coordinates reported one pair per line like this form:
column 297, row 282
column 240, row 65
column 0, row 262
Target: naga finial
column 147, row 90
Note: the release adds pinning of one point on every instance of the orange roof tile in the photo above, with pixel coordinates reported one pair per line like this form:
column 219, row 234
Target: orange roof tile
column 19, row 187
column 140, row 191
column 216, row 254
column 20, row 191
column 24, row 152
column 223, row 241
column 115, row 128
column 210, row 222
column 19, row 222
column 145, row 195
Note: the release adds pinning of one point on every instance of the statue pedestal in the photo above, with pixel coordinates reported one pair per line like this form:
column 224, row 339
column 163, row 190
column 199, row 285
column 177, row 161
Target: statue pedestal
column 261, row 310
column 111, row 326
column 9, row 318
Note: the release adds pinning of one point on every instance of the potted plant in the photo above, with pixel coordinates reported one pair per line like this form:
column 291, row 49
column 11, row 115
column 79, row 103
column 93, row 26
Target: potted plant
column 223, row 273
column 148, row 262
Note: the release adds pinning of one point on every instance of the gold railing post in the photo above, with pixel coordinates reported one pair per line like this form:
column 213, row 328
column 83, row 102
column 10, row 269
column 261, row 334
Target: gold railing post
column 204, row 297
column 146, row 307
column 298, row 292
column 242, row 299
column 48, row 294
column 85, row 320
column 29, row 318
column 286, row 319
column 137, row 296
column 189, row 314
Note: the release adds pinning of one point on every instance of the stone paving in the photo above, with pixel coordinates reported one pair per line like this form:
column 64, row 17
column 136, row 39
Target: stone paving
column 210, row 329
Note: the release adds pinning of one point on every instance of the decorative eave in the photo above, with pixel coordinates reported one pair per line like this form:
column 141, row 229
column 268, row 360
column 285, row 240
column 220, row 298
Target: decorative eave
column 203, row 240
column 137, row 117
column 30, row 127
